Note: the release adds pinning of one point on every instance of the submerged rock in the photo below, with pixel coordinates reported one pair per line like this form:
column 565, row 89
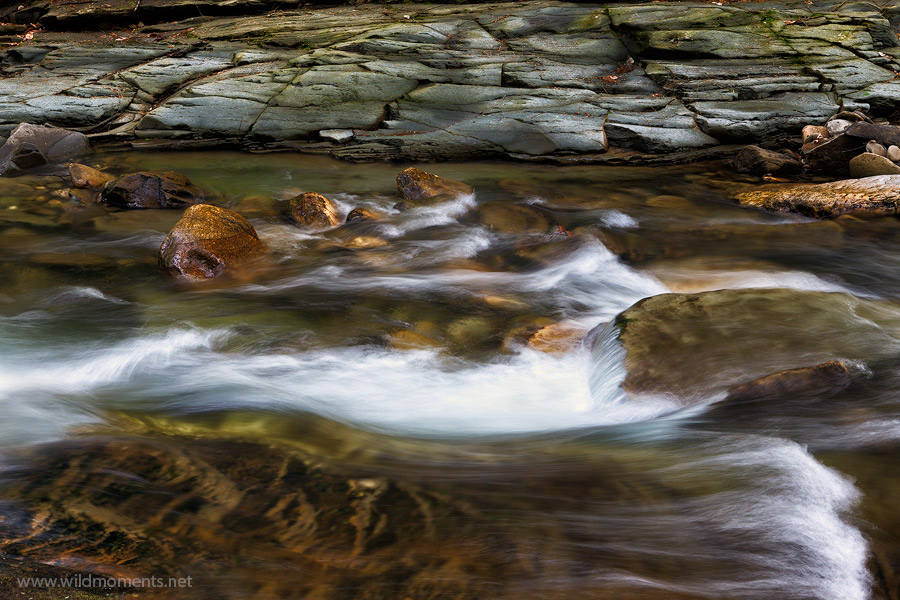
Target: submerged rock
column 85, row 177
column 829, row 377
column 207, row 240
column 177, row 507
column 868, row 164
column 360, row 214
column 869, row 196
column 417, row 187
column 30, row 146
column 514, row 218
column 694, row 346
column 314, row 211
column 758, row 161
column 167, row 189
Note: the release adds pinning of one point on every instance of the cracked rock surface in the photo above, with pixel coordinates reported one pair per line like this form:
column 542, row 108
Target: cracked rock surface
column 549, row 79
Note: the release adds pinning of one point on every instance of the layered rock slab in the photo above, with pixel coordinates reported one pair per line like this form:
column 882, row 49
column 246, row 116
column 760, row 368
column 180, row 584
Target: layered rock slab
column 552, row 79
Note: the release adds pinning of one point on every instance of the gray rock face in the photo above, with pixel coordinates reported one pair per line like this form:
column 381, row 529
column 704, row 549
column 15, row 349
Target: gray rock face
column 31, row 146
column 443, row 81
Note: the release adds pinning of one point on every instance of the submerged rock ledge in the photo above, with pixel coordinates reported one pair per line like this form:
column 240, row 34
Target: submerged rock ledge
column 544, row 80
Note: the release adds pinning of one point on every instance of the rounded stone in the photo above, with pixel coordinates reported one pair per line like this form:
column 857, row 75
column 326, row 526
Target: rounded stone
column 419, row 187
column 313, row 210
column 893, row 153
column 85, row 177
column 360, row 214
column 207, row 240
column 874, row 147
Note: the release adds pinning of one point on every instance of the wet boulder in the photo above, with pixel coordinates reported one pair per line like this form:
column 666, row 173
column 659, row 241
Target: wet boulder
column 83, row 176
column 758, row 161
column 30, row 146
column 869, row 196
column 313, row 211
column 696, row 346
column 418, row 188
column 145, row 189
column 206, row 241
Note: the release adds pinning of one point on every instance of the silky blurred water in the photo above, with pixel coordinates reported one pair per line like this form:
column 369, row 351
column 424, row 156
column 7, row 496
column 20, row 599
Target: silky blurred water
column 410, row 358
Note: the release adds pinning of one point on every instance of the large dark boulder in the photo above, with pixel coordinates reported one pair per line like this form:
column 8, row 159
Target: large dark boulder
column 207, row 240
column 152, row 190
column 30, row 146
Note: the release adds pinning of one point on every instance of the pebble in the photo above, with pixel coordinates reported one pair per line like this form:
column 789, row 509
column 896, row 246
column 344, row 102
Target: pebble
column 893, row 153
column 874, row 147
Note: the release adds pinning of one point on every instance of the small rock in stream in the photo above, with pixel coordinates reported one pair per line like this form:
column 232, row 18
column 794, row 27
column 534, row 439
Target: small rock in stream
column 86, row 177
column 418, row 188
column 360, row 214
column 314, row 211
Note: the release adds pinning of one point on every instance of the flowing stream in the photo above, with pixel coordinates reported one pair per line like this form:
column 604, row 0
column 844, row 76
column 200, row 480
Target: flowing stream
column 403, row 350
